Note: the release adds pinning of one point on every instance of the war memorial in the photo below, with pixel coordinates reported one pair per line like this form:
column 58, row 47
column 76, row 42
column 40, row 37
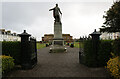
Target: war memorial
column 90, row 57
column 58, row 41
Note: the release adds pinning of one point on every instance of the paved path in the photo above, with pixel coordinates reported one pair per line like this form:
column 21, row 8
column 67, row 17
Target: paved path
column 59, row 65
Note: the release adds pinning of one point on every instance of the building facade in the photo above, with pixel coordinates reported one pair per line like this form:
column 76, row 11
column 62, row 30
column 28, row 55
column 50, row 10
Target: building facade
column 49, row 38
column 110, row 36
column 8, row 36
column 67, row 37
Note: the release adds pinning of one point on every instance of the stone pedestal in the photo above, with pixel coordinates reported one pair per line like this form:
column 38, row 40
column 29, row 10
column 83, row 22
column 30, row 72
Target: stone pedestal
column 58, row 41
column 57, row 30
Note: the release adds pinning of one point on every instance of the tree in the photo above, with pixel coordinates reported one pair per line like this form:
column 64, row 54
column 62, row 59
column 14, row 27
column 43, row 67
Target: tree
column 112, row 19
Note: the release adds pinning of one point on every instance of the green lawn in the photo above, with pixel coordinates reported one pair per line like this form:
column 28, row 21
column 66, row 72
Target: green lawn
column 76, row 44
column 40, row 45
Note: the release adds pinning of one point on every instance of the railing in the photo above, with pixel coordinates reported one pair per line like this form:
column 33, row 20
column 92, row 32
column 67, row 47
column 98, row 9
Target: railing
column 33, row 51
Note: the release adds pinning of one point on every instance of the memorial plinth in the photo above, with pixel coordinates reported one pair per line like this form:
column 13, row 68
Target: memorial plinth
column 58, row 41
column 57, row 30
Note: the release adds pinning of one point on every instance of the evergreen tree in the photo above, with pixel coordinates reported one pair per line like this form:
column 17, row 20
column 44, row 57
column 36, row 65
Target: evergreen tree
column 112, row 19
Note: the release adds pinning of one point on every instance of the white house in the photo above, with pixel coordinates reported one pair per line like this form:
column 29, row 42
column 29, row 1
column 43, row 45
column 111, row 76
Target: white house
column 112, row 36
column 8, row 36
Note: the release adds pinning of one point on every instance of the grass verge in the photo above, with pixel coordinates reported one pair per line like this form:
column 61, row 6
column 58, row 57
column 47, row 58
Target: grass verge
column 39, row 45
column 76, row 44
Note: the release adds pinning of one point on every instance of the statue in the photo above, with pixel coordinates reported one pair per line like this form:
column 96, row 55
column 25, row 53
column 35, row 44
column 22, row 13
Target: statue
column 56, row 13
column 58, row 41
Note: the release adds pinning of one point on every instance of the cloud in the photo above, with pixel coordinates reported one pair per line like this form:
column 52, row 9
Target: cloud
column 57, row 0
column 0, row 15
column 79, row 18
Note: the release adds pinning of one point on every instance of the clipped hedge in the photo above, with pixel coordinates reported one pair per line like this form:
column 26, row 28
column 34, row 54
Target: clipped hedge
column 104, row 51
column 13, row 49
column 7, row 63
column 88, row 53
column 100, row 59
column 116, row 47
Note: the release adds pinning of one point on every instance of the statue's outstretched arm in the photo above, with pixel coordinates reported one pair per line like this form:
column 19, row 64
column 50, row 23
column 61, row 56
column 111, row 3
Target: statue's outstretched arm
column 51, row 9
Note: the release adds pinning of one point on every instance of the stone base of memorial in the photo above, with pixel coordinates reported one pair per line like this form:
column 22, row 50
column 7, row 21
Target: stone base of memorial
column 58, row 46
column 58, row 41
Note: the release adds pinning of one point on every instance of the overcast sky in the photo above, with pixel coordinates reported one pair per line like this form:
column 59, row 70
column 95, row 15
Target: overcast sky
column 79, row 17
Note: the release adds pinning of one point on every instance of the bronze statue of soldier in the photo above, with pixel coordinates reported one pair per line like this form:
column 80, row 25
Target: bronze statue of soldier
column 56, row 13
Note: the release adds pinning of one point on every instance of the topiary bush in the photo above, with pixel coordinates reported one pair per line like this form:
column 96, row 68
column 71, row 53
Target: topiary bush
column 113, row 66
column 104, row 52
column 13, row 49
column 7, row 63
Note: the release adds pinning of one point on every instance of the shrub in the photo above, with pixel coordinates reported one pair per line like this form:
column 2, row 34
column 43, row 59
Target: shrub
column 104, row 52
column 12, row 49
column 7, row 63
column 113, row 66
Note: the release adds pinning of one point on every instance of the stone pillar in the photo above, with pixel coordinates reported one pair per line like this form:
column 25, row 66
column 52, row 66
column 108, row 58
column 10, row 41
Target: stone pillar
column 25, row 56
column 95, row 45
column 58, row 41
column 57, row 30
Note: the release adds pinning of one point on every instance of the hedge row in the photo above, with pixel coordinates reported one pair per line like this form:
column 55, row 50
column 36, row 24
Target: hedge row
column 88, row 53
column 7, row 63
column 116, row 47
column 104, row 52
column 91, row 59
column 12, row 49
